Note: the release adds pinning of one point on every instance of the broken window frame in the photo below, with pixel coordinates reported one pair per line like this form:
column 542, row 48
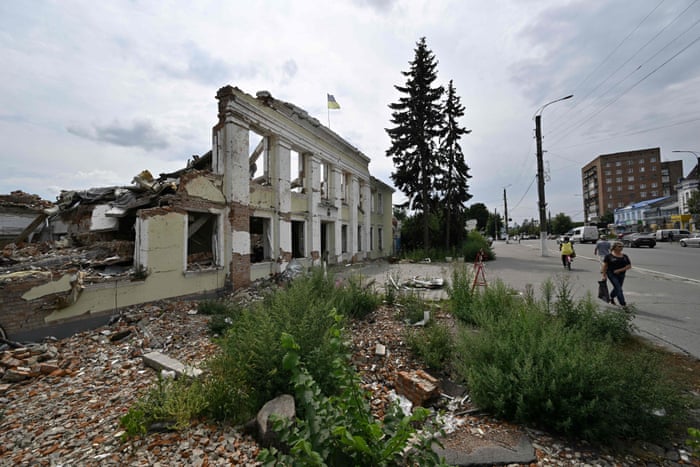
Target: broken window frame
column 297, row 182
column 323, row 168
column 202, row 219
column 261, row 245
column 259, row 158
column 344, row 238
column 298, row 239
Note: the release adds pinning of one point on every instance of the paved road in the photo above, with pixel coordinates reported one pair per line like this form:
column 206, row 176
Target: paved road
column 663, row 285
column 666, row 301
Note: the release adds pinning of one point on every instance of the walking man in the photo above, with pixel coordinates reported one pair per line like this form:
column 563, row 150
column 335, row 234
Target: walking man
column 602, row 249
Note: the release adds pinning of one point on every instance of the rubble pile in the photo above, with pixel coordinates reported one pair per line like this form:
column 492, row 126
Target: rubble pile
column 21, row 363
column 71, row 414
column 97, row 261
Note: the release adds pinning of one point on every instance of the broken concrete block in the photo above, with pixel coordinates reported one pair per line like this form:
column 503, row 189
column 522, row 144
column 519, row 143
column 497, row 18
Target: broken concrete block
column 417, row 386
column 160, row 361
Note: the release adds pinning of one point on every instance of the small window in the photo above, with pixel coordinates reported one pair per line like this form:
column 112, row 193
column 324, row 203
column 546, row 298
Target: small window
column 258, row 162
column 202, row 240
column 296, row 172
column 298, row 239
column 260, row 239
column 344, row 238
column 379, row 239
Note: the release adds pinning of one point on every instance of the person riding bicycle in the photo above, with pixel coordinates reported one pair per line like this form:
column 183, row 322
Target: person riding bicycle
column 567, row 252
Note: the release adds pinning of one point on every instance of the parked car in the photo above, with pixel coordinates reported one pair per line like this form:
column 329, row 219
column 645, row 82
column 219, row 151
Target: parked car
column 636, row 240
column 663, row 235
column 693, row 240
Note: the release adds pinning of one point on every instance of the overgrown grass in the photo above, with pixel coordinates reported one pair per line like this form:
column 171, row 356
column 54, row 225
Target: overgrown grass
column 472, row 245
column 171, row 403
column 246, row 373
column 563, row 370
column 339, row 429
column 433, row 344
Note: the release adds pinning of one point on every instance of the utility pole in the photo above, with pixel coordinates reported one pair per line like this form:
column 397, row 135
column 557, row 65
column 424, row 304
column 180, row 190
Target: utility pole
column 540, row 186
column 540, row 175
column 505, row 208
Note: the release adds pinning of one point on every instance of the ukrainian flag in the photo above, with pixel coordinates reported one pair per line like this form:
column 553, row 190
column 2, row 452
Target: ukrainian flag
column 332, row 104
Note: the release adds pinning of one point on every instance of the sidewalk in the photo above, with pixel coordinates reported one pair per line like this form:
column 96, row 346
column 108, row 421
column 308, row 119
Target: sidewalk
column 519, row 266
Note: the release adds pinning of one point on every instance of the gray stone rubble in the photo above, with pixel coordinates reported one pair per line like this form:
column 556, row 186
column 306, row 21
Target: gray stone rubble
column 70, row 415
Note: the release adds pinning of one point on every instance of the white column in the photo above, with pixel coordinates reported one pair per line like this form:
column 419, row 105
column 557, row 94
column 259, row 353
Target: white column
column 366, row 218
column 354, row 204
column 280, row 166
column 313, row 192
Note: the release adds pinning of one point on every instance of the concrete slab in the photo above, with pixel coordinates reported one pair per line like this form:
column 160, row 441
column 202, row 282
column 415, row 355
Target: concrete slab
column 490, row 454
column 161, row 361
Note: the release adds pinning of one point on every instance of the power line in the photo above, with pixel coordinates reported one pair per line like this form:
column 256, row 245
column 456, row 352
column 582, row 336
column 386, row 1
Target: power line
column 574, row 125
column 639, row 82
column 669, row 24
column 617, row 47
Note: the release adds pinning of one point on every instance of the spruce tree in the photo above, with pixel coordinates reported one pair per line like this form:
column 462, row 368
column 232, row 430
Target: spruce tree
column 453, row 184
column 418, row 121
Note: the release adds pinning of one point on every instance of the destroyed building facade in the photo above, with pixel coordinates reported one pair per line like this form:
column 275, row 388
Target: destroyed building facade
column 276, row 187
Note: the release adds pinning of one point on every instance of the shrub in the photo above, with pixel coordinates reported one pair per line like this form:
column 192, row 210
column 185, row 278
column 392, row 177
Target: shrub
column 246, row 373
column 411, row 306
column 339, row 429
column 172, row 402
column 693, row 441
column 461, row 295
column 473, row 306
column 433, row 344
column 530, row 367
column 355, row 299
column 212, row 307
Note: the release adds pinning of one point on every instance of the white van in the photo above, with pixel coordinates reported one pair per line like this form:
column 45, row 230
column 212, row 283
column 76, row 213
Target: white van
column 586, row 233
column 662, row 235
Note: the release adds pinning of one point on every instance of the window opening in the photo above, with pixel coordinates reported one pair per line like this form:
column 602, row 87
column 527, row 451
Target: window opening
column 260, row 239
column 298, row 239
column 296, row 167
column 201, row 240
column 344, row 238
column 258, row 160
column 325, row 189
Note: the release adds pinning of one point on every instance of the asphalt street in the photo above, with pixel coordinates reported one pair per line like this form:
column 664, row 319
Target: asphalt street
column 666, row 303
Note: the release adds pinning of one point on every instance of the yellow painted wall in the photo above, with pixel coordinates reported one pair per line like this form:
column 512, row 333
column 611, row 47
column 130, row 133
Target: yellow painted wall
column 166, row 273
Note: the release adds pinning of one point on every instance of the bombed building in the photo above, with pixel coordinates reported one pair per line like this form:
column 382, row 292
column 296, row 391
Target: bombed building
column 276, row 187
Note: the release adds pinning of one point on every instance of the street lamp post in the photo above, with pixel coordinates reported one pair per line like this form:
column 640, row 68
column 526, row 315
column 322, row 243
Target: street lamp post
column 540, row 175
column 697, row 156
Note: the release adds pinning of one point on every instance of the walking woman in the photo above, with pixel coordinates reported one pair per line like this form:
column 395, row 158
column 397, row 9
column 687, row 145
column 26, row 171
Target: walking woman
column 615, row 265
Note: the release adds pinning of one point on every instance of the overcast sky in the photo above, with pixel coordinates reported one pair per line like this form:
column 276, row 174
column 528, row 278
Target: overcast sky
column 92, row 93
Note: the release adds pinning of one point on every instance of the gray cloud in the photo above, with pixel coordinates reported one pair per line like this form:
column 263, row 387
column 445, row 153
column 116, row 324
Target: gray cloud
column 382, row 6
column 290, row 69
column 140, row 133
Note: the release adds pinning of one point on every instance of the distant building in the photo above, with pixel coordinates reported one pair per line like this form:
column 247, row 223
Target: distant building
column 646, row 216
column 613, row 181
column 685, row 188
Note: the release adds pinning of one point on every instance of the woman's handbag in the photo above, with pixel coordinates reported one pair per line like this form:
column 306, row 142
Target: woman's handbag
column 603, row 293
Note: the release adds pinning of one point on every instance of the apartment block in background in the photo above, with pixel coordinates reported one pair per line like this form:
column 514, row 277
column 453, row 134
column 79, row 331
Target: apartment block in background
column 613, row 181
